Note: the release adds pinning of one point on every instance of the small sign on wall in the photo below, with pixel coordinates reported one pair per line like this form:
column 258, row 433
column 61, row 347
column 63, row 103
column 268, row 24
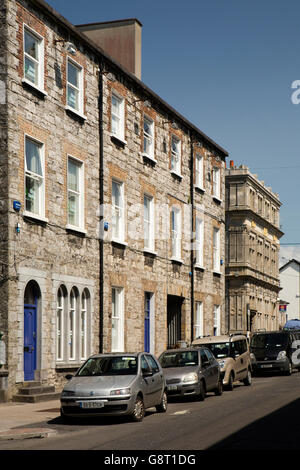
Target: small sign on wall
column 2, row 353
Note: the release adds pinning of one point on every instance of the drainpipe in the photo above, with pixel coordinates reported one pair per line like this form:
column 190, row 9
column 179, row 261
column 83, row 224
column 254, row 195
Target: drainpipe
column 192, row 236
column 101, row 178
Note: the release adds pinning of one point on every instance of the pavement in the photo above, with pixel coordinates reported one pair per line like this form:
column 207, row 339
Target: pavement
column 27, row 420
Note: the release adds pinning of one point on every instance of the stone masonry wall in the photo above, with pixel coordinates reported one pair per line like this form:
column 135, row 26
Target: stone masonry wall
column 47, row 251
column 3, row 172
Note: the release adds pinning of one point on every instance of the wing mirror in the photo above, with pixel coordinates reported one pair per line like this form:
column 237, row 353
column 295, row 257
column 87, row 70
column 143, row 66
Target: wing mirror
column 147, row 373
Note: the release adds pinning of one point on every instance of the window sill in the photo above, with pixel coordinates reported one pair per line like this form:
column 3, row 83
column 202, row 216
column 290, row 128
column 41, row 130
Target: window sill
column 34, row 87
column 148, row 251
column 199, row 188
column 35, row 217
column 118, row 140
column 76, row 113
column 176, row 175
column 149, row 158
column 119, row 242
column 73, row 228
column 217, row 273
column 217, row 199
column 199, row 267
column 176, row 260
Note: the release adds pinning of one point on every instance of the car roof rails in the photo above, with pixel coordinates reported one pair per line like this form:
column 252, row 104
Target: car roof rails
column 237, row 334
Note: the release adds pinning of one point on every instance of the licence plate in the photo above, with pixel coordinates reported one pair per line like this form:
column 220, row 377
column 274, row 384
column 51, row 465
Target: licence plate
column 266, row 366
column 172, row 387
column 91, row 404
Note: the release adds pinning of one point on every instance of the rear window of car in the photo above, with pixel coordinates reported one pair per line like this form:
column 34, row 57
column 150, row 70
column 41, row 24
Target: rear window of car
column 219, row 350
column 179, row 359
column 269, row 340
column 109, row 365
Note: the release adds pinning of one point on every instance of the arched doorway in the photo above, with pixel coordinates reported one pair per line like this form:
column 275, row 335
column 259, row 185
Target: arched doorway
column 32, row 297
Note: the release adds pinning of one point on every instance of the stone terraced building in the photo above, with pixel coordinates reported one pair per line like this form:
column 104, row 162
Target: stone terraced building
column 112, row 209
column 252, row 253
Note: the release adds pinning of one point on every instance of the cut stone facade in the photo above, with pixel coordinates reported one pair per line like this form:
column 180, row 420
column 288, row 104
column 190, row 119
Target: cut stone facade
column 88, row 291
column 252, row 247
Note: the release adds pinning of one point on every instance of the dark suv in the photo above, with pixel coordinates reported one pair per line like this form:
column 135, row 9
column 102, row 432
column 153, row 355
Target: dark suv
column 275, row 351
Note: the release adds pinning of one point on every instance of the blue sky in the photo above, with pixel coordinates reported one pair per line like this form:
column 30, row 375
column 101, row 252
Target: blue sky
column 228, row 67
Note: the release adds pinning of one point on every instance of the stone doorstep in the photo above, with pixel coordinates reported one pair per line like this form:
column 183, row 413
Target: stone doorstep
column 36, row 398
column 36, row 390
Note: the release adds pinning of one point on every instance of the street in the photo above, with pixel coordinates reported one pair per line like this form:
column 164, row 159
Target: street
column 262, row 416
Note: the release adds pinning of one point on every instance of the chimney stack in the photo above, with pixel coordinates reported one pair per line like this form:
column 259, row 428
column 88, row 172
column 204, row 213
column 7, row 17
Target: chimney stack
column 121, row 39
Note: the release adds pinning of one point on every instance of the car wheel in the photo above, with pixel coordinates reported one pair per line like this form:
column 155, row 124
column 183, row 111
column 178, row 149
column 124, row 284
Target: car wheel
column 162, row 407
column 64, row 418
column 202, row 391
column 219, row 389
column 139, row 410
column 290, row 369
column 248, row 379
column 230, row 383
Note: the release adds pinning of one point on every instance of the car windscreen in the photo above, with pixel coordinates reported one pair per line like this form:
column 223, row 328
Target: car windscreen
column 219, row 350
column 108, row 365
column 269, row 340
column 179, row 359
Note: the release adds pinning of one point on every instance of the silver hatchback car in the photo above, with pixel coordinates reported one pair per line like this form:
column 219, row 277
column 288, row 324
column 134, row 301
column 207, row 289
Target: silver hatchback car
column 191, row 372
column 115, row 384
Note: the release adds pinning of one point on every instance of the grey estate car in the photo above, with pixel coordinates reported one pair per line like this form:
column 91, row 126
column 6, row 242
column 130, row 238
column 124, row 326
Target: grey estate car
column 191, row 372
column 115, row 384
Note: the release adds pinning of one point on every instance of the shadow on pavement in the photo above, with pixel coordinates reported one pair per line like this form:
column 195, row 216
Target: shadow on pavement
column 279, row 430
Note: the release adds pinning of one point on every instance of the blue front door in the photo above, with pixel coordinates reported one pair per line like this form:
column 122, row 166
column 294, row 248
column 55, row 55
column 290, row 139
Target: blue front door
column 29, row 341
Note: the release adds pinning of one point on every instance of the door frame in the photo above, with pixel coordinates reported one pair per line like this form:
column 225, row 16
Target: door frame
column 29, row 375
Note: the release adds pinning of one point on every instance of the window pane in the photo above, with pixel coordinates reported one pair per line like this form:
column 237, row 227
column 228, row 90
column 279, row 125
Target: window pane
column 73, row 75
column 32, row 195
column 148, row 127
column 73, row 209
column 115, row 105
column 33, row 159
column 73, row 175
column 31, row 70
column 73, row 98
column 116, row 333
column 31, row 45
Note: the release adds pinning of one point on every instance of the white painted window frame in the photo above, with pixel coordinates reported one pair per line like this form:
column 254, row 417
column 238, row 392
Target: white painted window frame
column 176, row 155
column 217, row 320
column 216, row 250
column 72, row 324
column 80, row 164
column 120, row 237
column 60, row 320
column 118, row 315
column 199, row 171
column 148, row 138
column 40, row 61
column 176, row 233
column 80, row 89
column 199, row 321
column 119, row 133
column 150, row 245
column 41, row 210
column 216, row 183
column 199, row 241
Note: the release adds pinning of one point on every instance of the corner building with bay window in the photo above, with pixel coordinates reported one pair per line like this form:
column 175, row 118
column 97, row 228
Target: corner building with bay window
column 112, row 214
